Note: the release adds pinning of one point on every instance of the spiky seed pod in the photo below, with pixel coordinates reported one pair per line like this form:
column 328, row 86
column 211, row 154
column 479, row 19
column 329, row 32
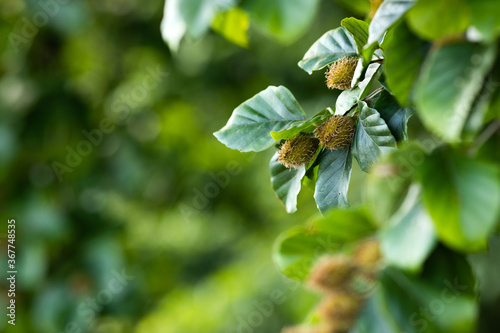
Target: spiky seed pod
column 339, row 74
column 332, row 274
column 298, row 151
column 336, row 132
column 367, row 253
column 340, row 310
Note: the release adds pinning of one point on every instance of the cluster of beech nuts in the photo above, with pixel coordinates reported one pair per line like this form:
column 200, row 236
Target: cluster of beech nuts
column 345, row 283
column 334, row 133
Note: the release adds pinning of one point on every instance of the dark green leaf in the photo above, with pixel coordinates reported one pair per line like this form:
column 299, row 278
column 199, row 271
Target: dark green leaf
column 359, row 31
column 462, row 197
column 405, row 54
column 332, row 46
column 273, row 109
column 389, row 12
column 334, row 174
column 395, row 116
column 450, row 79
column 286, row 183
column 372, row 138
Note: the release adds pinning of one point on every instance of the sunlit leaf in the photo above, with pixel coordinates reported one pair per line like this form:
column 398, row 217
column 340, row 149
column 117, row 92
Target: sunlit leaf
column 248, row 128
column 233, row 25
column 332, row 46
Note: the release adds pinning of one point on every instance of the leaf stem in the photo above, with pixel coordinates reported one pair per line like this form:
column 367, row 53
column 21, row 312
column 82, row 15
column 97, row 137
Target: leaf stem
column 370, row 96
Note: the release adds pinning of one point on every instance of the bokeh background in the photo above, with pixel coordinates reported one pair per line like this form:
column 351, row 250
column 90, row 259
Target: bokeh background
column 131, row 216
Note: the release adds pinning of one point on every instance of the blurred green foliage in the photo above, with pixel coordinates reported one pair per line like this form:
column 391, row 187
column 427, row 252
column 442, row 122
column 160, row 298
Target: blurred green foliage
column 200, row 262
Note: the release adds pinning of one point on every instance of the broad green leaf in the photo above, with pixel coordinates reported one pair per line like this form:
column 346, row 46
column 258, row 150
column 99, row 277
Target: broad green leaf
column 296, row 250
column 462, row 197
column 284, row 19
column 410, row 236
column 484, row 17
column 395, row 116
column 305, row 126
column 192, row 17
column 405, row 54
column 390, row 179
column 286, row 183
column 432, row 19
column 248, row 128
column 233, row 25
column 441, row 299
column 389, row 12
column 450, row 79
column 334, row 174
column 332, row 46
column 359, row 31
column 372, row 137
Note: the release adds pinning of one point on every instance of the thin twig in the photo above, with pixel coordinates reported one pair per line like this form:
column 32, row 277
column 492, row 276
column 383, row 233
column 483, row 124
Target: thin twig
column 371, row 95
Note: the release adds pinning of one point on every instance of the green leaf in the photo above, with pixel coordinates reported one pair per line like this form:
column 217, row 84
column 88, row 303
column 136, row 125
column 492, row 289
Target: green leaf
column 297, row 249
column 450, row 79
column 432, row 19
column 286, row 183
column 273, row 109
column 372, row 137
column 359, row 31
column 305, row 126
column 389, row 12
column 395, row 116
column 334, row 174
column 189, row 16
column 462, row 197
column 390, row 179
column 233, row 25
column 410, row 236
column 348, row 98
column 332, row 46
column 405, row 54
column 484, row 16
column 285, row 20
column 441, row 299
